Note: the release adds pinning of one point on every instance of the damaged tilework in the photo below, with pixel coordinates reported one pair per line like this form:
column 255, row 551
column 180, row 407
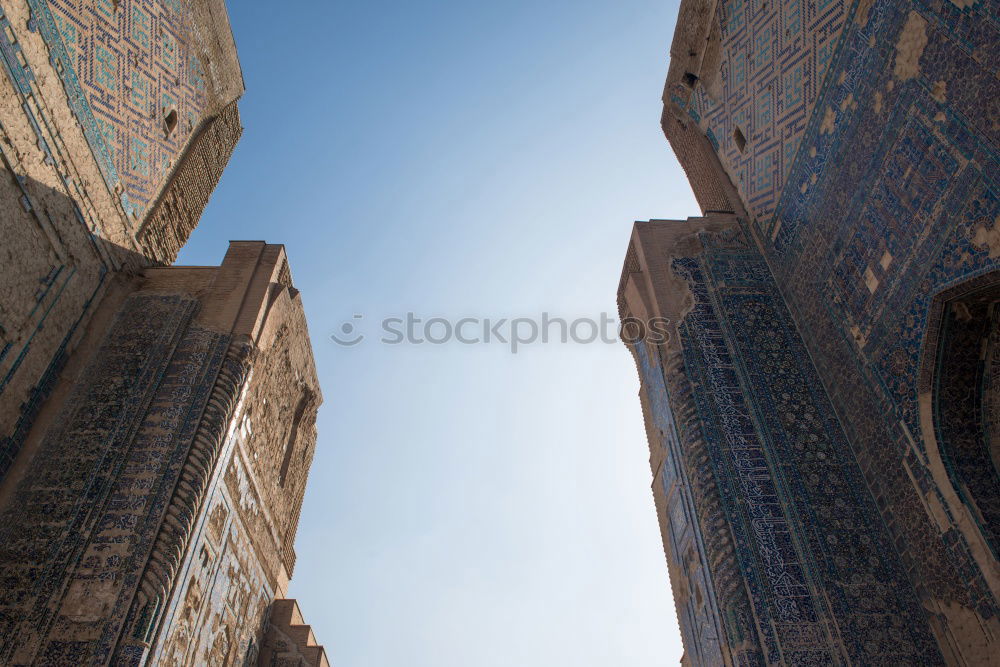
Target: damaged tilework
column 96, row 180
column 137, row 82
column 123, row 438
column 824, row 586
column 877, row 215
column 152, row 524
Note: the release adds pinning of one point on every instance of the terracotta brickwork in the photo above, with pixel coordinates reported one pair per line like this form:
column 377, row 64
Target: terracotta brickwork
column 148, row 524
column 113, row 133
column 289, row 642
column 245, row 539
column 862, row 183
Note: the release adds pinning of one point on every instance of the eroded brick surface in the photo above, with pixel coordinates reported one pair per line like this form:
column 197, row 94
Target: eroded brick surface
column 113, row 132
column 156, row 424
column 156, row 519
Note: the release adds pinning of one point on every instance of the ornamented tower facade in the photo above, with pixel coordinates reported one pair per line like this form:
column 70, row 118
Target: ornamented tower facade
column 154, row 519
column 156, row 423
column 822, row 418
column 117, row 118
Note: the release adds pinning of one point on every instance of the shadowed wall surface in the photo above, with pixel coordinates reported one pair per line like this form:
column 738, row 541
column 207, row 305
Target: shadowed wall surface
column 116, row 120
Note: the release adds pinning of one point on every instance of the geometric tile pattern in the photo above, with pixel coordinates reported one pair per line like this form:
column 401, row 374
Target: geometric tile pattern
column 824, row 585
column 774, row 55
column 127, row 66
column 153, row 376
column 867, row 155
column 90, row 85
column 153, row 524
column 890, row 202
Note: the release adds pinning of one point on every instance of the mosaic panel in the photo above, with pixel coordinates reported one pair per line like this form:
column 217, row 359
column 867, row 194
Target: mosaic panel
column 774, row 56
column 886, row 198
column 824, row 584
column 70, row 568
column 146, row 528
column 55, row 56
column 134, row 83
column 893, row 198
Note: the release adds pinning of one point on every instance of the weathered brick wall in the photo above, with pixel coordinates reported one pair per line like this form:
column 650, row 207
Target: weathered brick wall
column 144, row 519
column 241, row 555
column 113, row 132
column 84, row 518
column 176, row 212
column 694, row 153
column 282, row 413
column 288, row 640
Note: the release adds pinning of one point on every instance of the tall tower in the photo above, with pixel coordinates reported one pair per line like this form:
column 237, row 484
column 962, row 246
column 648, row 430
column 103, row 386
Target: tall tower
column 151, row 516
column 116, row 121
column 156, row 424
column 821, row 417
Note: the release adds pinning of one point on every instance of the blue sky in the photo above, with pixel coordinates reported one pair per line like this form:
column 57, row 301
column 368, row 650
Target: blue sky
column 466, row 506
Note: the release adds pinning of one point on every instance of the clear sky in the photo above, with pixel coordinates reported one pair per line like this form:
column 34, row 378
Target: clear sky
column 467, row 507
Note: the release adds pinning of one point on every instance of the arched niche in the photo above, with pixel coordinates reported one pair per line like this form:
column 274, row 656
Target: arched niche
column 959, row 398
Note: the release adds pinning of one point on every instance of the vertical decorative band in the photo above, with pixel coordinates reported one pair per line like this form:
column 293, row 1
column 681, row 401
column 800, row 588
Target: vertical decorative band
column 171, row 541
column 741, row 638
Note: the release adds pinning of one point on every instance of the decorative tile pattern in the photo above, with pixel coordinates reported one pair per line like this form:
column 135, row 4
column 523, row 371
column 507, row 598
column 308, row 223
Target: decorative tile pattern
column 825, row 586
column 80, row 145
column 126, row 65
column 774, row 56
column 121, row 436
column 154, row 524
column 891, row 201
column 879, row 208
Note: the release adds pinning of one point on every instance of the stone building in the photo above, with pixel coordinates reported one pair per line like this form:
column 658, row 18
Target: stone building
column 822, row 415
column 157, row 423
column 117, row 118
column 151, row 515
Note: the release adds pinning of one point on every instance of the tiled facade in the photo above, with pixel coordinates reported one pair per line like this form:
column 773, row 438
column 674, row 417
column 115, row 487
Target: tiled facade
column 112, row 136
column 136, row 75
column 850, row 151
column 157, row 423
column 151, row 526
